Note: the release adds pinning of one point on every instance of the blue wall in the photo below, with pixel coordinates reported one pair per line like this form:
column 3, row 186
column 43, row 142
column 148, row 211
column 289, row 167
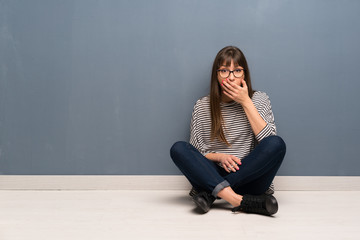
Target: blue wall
column 106, row 87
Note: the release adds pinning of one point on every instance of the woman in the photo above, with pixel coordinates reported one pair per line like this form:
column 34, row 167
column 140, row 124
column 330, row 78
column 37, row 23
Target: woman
column 234, row 153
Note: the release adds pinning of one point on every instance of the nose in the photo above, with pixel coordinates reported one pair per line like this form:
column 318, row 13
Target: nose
column 231, row 76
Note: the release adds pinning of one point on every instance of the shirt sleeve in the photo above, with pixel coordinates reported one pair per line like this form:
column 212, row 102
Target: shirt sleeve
column 263, row 106
column 196, row 138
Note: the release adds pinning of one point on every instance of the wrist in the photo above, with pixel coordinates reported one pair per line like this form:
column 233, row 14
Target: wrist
column 247, row 103
column 213, row 156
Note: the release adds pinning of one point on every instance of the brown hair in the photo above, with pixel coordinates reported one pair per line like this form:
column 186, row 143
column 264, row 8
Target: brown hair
column 225, row 55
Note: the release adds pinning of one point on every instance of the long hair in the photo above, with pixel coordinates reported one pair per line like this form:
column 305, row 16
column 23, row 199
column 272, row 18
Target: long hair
column 225, row 55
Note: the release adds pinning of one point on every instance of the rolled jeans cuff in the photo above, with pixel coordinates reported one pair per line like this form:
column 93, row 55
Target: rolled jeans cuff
column 220, row 187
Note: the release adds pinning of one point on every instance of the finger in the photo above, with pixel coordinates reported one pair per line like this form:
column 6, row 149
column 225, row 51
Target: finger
column 226, row 168
column 230, row 166
column 228, row 82
column 228, row 94
column 233, row 85
column 227, row 87
column 236, row 160
column 235, row 165
column 243, row 83
column 233, row 162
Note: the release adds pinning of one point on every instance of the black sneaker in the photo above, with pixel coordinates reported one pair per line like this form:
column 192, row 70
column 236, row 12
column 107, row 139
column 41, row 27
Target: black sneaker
column 260, row 204
column 204, row 201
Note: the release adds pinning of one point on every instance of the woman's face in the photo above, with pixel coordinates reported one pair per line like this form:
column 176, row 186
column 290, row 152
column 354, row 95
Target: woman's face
column 236, row 73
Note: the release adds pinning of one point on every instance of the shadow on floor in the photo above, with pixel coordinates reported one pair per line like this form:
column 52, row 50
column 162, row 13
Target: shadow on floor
column 187, row 200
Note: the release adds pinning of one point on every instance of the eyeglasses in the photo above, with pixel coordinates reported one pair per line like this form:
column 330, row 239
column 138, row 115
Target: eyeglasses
column 224, row 73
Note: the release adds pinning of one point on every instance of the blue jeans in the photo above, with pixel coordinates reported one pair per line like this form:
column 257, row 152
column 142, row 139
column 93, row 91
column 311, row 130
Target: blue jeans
column 256, row 173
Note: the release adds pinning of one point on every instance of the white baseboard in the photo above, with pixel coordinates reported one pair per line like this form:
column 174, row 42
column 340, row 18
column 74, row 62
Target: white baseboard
column 163, row 182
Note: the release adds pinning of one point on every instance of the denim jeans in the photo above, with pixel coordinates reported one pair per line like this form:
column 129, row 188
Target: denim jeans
column 256, row 173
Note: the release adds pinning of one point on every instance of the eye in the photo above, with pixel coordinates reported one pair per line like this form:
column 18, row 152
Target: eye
column 224, row 70
column 238, row 70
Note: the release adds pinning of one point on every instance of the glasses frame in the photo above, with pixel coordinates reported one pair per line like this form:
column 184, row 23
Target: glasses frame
column 242, row 71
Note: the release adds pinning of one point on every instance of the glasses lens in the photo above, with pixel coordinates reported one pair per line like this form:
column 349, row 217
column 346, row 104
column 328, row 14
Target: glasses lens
column 238, row 73
column 224, row 73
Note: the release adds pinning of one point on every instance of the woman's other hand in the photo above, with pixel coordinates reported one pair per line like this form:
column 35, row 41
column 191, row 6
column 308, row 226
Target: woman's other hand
column 228, row 162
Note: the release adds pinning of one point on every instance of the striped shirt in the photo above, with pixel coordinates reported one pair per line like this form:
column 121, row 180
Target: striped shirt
column 236, row 126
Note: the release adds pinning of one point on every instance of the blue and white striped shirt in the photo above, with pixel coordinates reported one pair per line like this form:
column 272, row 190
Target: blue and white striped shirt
column 236, row 126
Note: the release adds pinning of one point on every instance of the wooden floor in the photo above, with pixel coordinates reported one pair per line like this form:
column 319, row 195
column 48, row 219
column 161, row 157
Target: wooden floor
column 130, row 214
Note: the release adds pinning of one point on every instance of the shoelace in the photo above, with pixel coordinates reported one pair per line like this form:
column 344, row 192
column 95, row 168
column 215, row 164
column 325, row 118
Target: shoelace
column 193, row 192
column 251, row 204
